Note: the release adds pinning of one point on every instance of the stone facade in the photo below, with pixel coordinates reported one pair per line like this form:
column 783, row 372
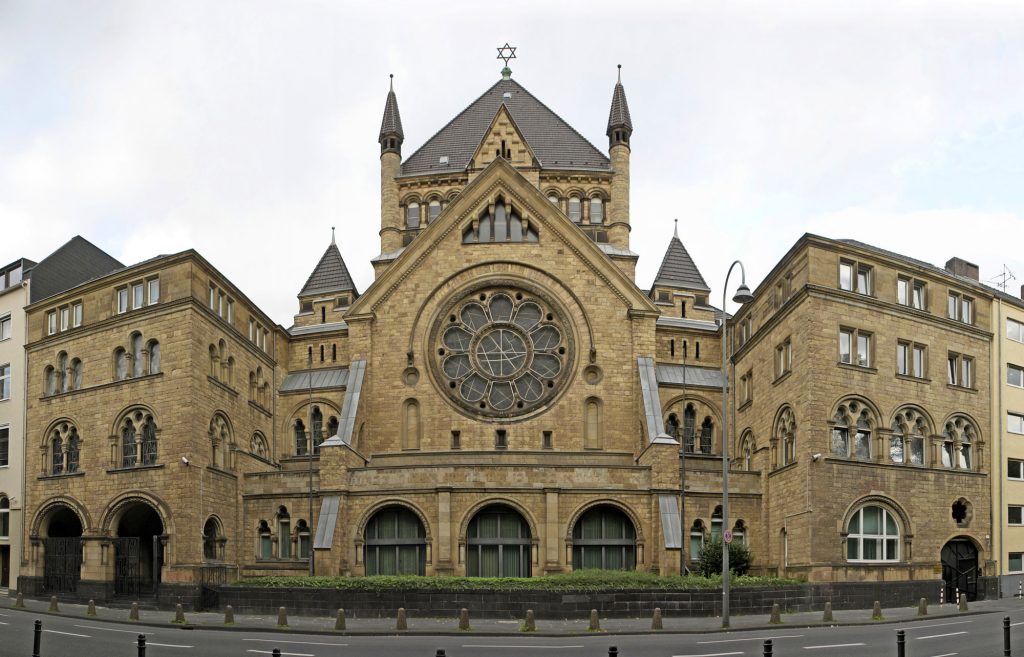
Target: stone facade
column 503, row 400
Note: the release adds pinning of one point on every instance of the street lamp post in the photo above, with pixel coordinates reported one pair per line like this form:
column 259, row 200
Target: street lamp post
column 743, row 295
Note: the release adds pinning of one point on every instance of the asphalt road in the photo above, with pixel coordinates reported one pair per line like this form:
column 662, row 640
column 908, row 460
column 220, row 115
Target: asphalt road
column 972, row 636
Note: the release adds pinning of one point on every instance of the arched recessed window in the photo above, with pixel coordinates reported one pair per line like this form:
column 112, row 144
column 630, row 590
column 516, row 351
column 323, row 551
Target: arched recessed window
column 149, row 447
column 302, row 536
column 707, row 429
column 696, row 539
column 498, row 544
column 56, row 454
column 62, row 372
column 872, row 535
column 137, row 361
column 596, row 210
column 785, row 435
column 212, row 535
column 5, row 517
column 672, row 425
column 318, row 429
column 412, row 215
column 128, row 459
column 860, row 448
column 154, row 357
column 138, row 439
column 433, row 210
column 300, row 438
column 604, row 537
column 258, row 445
column 575, row 209
column 502, row 225
column 284, row 534
column 334, row 353
column 716, row 524
column 592, row 424
column 120, row 364
column 76, row 374
column 72, row 451
column 395, row 543
column 214, row 362
column 958, row 440
column 220, row 442
column 739, row 532
column 689, row 422
column 554, row 199
column 266, row 542
column 51, row 380
column 332, row 427
column 747, row 450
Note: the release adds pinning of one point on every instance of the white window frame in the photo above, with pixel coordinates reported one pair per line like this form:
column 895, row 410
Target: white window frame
column 903, row 358
column 1020, row 469
column 51, row 322
column 77, row 314
column 6, row 327
column 1014, row 423
column 1020, row 509
column 1009, row 560
column 884, row 537
column 65, row 318
column 138, row 296
column 1020, row 375
column 5, row 381
column 1014, row 330
column 854, row 356
column 153, row 291
column 122, row 300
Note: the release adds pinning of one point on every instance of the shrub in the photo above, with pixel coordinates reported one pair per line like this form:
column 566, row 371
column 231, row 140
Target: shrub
column 709, row 560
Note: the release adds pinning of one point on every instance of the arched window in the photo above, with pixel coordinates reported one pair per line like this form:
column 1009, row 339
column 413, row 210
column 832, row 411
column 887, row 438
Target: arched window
column 73, row 456
column 696, row 539
column 332, row 427
column 51, row 380
column 321, row 353
column 334, row 353
column 284, row 534
column 300, row 438
column 56, row 454
column 128, row 458
column 840, row 436
column 575, row 209
column 214, row 364
column 212, row 535
column 220, row 442
column 498, row 544
column 412, row 215
column 592, row 424
column 739, row 532
column 872, row 535
column 149, row 447
column 747, row 450
column 266, row 542
column 76, row 374
column 672, row 425
column 138, row 439
column 896, row 448
column 785, row 434
column 62, row 372
column 604, row 537
column 906, row 445
column 154, row 357
column 318, row 429
column 503, row 225
column 120, row 364
column 716, row 524
column 395, row 543
column 958, row 440
column 843, row 420
column 596, row 210
column 862, row 440
column 433, row 210
column 137, row 361
column 302, row 534
column 689, row 421
column 258, row 445
column 5, row 517
column 707, row 429
column 553, row 198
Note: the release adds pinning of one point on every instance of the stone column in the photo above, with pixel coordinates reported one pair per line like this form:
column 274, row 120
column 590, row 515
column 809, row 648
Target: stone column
column 552, row 532
column 618, row 205
column 443, row 536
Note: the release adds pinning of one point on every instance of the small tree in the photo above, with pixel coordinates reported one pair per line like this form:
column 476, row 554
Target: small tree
column 709, row 560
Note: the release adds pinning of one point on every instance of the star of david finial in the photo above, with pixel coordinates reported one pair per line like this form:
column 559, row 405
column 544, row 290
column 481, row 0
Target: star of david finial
column 506, row 52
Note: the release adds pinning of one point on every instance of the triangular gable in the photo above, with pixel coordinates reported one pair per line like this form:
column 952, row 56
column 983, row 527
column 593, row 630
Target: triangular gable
column 501, row 178
column 678, row 269
column 503, row 139
column 330, row 275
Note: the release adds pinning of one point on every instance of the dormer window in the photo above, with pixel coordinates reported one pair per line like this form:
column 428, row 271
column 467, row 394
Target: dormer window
column 412, row 215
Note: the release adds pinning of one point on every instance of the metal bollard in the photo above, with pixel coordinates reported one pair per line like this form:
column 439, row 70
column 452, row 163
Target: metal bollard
column 768, row 648
column 1006, row 636
column 276, row 652
column 942, row 595
column 440, row 652
column 901, row 644
column 613, row 652
column 38, row 637
column 142, row 645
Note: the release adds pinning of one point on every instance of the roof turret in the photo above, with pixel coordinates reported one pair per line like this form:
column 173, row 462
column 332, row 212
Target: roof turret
column 678, row 269
column 391, row 135
column 620, row 126
column 330, row 275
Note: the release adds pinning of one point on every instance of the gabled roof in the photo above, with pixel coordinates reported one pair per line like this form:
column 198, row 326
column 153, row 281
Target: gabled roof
column 619, row 113
column 78, row 261
column 678, row 269
column 555, row 143
column 392, row 121
column 330, row 275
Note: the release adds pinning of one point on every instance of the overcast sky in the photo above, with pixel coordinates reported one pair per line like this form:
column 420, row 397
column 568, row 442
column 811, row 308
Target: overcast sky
column 245, row 130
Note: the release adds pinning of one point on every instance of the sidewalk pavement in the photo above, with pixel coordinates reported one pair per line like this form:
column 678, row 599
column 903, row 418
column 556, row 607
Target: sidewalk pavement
column 509, row 627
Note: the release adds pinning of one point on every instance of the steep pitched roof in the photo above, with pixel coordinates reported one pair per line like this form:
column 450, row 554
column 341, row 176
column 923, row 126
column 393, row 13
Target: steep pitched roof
column 330, row 275
column 78, row 261
column 555, row 143
column 618, row 115
column 678, row 269
column 392, row 121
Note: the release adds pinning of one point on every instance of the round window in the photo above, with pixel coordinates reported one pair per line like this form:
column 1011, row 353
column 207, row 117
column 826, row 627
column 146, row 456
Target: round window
column 502, row 351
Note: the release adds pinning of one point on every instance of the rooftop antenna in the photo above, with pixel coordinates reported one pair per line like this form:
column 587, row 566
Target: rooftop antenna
column 1002, row 281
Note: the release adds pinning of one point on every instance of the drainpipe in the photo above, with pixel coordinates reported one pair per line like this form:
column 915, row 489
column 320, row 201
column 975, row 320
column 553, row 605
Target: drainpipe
column 997, row 435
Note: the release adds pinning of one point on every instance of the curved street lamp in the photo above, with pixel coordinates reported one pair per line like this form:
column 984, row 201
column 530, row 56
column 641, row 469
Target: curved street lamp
column 743, row 295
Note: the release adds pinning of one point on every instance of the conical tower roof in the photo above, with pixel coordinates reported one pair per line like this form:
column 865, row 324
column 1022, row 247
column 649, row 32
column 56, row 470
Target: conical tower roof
column 391, row 124
column 330, row 275
column 618, row 115
column 678, row 269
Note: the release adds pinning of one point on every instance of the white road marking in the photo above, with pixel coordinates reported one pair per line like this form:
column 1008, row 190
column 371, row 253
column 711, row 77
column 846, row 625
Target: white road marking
column 755, row 638
column 939, row 636
column 167, row 645
column 110, row 629
column 925, row 627
column 834, row 645
column 5, row 615
column 1016, row 624
column 948, row 654
column 2, row 623
column 84, row 636
column 293, row 654
column 711, row 654
column 303, row 643
column 523, row 645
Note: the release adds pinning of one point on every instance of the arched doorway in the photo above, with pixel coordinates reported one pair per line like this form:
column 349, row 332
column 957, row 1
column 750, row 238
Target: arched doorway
column 62, row 551
column 960, row 568
column 604, row 537
column 395, row 543
column 498, row 543
column 138, row 552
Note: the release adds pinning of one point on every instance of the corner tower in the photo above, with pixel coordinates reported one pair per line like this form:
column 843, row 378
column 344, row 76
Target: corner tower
column 328, row 291
column 390, row 139
column 620, row 127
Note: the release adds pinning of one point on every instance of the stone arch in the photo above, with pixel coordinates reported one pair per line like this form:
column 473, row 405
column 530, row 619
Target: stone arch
column 126, row 413
column 576, row 191
column 52, row 504
column 552, row 191
column 258, row 445
column 875, row 415
column 499, row 501
column 887, row 503
column 54, row 425
column 222, row 439
column 747, row 447
column 412, row 197
column 952, row 417
column 575, row 516
column 929, row 423
column 978, row 543
column 380, row 505
column 715, row 412
column 597, row 192
column 120, row 503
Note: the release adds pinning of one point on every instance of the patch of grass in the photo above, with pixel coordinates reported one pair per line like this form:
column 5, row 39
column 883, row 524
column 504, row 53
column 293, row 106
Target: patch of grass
column 579, row 580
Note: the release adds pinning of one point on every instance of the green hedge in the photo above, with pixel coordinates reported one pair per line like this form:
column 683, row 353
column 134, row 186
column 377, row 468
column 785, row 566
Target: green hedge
column 579, row 580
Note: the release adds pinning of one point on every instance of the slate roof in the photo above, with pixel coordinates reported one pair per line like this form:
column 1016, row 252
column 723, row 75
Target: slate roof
column 619, row 113
column 330, row 275
column 78, row 261
column 705, row 377
column 678, row 269
column 318, row 328
column 335, row 377
column 392, row 121
column 555, row 143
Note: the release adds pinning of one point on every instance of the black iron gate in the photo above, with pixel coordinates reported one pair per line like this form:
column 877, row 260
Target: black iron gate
column 62, row 564
column 127, row 568
column 960, row 569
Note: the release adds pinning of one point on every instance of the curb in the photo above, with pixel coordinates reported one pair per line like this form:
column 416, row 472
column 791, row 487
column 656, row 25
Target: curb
column 456, row 632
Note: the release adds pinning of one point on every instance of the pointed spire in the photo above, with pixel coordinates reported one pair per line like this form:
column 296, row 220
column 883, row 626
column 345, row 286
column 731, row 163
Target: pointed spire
column 620, row 126
column 678, row 269
column 333, row 243
column 391, row 135
column 330, row 275
column 675, row 231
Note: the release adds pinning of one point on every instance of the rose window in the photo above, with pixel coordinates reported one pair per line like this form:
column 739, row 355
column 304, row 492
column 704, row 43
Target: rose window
column 502, row 352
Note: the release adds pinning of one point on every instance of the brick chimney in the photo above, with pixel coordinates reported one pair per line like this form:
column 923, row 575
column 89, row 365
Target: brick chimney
column 963, row 268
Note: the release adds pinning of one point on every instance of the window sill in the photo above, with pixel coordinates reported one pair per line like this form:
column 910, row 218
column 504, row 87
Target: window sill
column 135, row 468
column 858, row 368
column 782, row 377
column 222, row 385
column 745, row 405
column 260, row 408
column 911, row 377
column 62, row 475
column 299, row 458
column 783, row 468
column 116, row 382
column 951, row 386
